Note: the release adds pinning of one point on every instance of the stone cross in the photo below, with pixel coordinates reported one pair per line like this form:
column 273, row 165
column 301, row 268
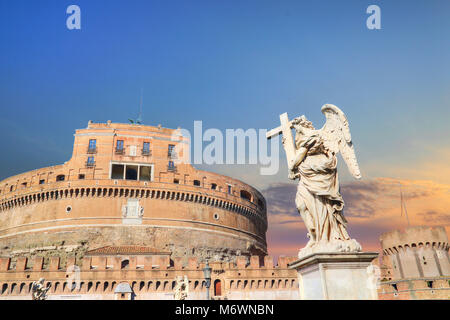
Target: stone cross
column 285, row 130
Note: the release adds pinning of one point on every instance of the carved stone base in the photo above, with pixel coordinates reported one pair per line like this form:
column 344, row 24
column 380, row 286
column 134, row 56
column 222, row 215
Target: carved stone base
column 336, row 276
column 330, row 246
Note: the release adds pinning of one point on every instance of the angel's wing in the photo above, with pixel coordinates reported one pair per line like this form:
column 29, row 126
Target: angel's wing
column 337, row 137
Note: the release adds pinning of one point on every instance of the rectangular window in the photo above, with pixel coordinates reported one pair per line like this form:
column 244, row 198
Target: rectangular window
column 117, row 171
column 171, row 151
column 42, row 181
column 119, row 147
column 146, row 148
column 171, row 166
column 92, row 144
column 145, row 173
column 90, row 162
column 131, row 172
column 229, row 189
column 81, row 177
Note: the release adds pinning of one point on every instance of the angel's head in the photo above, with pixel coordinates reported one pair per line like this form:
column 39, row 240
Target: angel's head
column 301, row 123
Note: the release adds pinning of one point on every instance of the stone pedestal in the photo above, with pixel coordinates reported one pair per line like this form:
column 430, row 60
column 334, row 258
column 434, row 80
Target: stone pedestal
column 336, row 276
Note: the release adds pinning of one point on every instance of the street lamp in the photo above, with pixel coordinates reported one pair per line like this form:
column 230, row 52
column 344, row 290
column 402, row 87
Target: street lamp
column 207, row 275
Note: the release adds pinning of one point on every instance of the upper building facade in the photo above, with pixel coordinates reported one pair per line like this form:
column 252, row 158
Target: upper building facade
column 125, row 185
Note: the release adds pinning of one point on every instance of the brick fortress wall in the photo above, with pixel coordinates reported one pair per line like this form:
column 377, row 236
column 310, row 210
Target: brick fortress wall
column 151, row 276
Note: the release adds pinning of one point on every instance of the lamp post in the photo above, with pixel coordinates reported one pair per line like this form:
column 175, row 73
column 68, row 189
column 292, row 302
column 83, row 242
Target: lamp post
column 207, row 275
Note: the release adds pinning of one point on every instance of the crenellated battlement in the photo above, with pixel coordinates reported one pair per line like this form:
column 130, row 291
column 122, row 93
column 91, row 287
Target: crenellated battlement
column 131, row 263
column 418, row 237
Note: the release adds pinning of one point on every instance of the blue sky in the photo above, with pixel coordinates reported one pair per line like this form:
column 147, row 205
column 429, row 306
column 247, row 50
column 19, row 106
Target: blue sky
column 231, row 64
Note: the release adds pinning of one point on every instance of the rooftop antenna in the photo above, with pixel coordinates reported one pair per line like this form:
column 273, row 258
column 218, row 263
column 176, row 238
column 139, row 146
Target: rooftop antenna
column 139, row 118
column 403, row 205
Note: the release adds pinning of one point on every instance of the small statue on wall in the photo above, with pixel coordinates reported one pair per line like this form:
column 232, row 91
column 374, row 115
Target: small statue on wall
column 181, row 289
column 38, row 291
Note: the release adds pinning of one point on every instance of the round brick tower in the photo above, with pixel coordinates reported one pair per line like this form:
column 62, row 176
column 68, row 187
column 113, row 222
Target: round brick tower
column 125, row 185
column 417, row 252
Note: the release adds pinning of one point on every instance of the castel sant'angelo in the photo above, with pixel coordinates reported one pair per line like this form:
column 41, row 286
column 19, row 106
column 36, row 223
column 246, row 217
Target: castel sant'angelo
column 124, row 217
column 124, row 209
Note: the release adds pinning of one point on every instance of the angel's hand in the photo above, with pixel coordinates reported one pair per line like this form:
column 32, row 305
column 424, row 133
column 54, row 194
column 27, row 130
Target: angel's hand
column 291, row 175
column 291, row 165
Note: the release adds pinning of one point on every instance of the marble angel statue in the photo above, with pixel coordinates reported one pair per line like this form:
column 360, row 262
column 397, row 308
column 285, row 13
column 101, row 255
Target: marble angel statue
column 314, row 164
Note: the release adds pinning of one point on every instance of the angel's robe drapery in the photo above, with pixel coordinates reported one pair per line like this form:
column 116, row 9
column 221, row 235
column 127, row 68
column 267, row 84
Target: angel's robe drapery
column 318, row 189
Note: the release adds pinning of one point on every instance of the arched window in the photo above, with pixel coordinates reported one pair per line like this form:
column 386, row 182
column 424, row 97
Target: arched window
column 246, row 195
column 125, row 263
column 217, row 287
column 60, row 177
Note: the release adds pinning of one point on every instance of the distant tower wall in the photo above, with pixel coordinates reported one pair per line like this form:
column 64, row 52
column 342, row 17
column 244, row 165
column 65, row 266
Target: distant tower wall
column 417, row 252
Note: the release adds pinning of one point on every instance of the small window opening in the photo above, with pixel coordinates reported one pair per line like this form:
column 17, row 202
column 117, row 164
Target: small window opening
column 124, row 264
column 119, row 145
column 246, row 195
column 60, row 177
column 171, row 166
column 146, row 148
column 90, row 162
column 171, row 151
column 92, row 146
column 42, row 181
column 196, row 182
column 177, row 181
column 81, row 177
column 213, row 186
